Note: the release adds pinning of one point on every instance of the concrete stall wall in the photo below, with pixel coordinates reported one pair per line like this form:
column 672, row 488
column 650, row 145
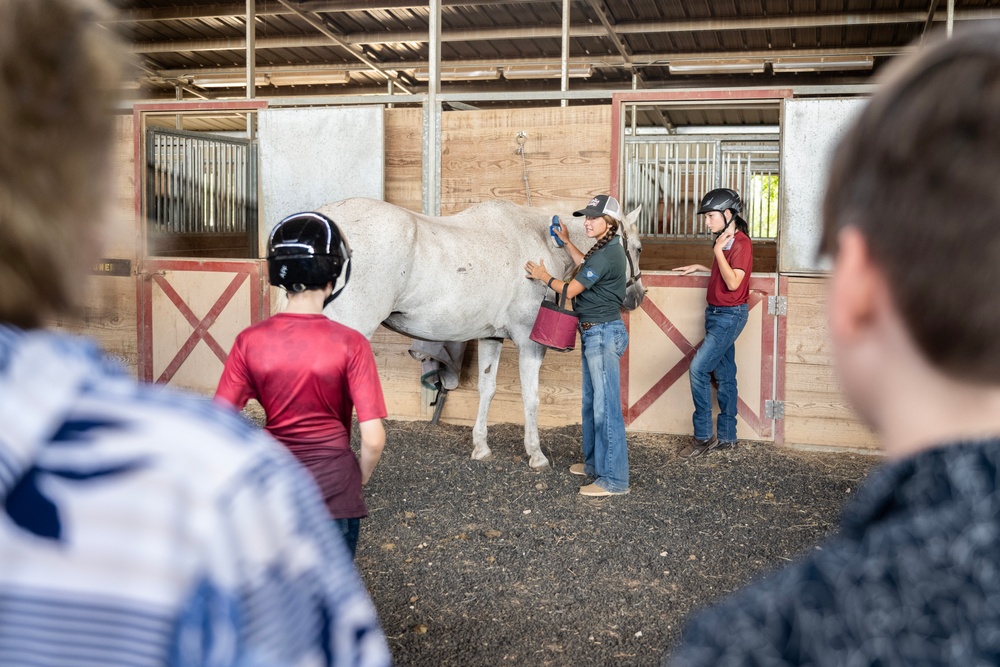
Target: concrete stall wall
column 340, row 149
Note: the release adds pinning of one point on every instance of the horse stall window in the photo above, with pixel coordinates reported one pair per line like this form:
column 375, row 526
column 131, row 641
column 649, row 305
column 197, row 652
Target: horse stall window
column 673, row 154
column 201, row 195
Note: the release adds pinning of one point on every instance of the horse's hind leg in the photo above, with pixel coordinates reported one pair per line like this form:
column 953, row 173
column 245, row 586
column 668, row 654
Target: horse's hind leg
column 489, row 359
column 530, row 355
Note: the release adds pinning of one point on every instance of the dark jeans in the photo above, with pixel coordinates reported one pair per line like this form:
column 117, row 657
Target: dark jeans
column 349, row 528
column 717, row 354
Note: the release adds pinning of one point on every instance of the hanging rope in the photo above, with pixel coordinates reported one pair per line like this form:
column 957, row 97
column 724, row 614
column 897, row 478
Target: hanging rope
column 521, row 138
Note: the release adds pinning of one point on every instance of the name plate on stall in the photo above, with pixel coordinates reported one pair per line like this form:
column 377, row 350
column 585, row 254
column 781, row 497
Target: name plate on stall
column 112, row 267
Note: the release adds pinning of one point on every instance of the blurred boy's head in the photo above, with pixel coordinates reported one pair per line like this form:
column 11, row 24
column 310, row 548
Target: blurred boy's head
column 914, row 200
column 58, row 74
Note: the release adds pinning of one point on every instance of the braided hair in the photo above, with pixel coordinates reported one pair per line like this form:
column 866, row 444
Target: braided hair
column 601, row 242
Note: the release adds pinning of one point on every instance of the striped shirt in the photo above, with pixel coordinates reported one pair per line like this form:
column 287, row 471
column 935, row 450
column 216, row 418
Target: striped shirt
column 141, row 526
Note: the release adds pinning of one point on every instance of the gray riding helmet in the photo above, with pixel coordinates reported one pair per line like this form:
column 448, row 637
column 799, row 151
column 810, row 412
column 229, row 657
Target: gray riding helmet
column 719, row 200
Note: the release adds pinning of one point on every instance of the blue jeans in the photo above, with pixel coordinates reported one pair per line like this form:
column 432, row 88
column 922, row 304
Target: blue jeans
column 605, row 452
column 349, row 528
column 717, row 354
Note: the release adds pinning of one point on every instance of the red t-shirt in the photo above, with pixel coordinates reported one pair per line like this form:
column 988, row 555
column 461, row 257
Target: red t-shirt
column 309, row 373
column 739, row 256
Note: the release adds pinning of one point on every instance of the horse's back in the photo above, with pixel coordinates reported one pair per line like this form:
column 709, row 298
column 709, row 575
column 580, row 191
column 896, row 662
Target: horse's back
column 453, row 277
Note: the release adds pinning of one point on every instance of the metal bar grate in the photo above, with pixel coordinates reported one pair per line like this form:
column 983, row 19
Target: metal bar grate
column 668, row 176
column 201, row 185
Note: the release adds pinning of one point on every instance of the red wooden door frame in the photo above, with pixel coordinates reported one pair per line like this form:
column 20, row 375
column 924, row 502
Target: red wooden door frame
column 148, row 268
column 776, row 334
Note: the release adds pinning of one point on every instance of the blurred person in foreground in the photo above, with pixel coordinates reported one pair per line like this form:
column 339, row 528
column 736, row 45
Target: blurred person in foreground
column 138, row 526
column 910, row 220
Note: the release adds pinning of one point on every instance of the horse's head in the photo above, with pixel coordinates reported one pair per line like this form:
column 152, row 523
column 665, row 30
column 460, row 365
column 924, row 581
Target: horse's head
column 634, row 291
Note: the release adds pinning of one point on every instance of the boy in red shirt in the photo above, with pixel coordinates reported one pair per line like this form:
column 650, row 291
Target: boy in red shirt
column 309, row 373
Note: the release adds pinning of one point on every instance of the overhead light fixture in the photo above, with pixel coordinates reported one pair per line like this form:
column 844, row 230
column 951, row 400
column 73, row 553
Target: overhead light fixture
column 459, row 74
column 309, row 78
column 740, row 66
column 280, row 78
column 545, row 71
column 822, row 63
column 224, row 80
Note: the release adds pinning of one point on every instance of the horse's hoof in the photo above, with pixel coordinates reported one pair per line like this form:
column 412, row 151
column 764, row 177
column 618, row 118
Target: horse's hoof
column 540, row 466
column 484, row 455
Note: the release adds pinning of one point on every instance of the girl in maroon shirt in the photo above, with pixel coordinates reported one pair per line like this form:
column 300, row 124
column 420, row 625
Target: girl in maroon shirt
column 725, row 317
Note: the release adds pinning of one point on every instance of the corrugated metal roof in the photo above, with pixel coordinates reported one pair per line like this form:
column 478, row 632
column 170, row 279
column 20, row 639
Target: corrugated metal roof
column 193, row 43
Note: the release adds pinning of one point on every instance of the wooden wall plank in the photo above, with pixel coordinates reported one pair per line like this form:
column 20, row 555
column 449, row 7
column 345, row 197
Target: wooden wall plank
column 668, row 255
column 404, row 158
column 801, row 429
column 816, row 411
column 567, row 154
column 399, row 374
column 559, row 385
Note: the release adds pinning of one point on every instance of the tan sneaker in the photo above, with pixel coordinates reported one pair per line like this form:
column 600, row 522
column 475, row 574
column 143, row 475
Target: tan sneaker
column 578, row 469
column 595, row 491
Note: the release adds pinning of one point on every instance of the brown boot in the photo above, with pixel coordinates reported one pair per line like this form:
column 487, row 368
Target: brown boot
column 697, row 447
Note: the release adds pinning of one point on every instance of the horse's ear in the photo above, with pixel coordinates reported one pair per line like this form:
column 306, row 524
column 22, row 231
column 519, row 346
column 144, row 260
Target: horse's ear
column 633, row 216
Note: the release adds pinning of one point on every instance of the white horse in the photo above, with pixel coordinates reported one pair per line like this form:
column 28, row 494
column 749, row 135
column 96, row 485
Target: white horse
column 460, row 278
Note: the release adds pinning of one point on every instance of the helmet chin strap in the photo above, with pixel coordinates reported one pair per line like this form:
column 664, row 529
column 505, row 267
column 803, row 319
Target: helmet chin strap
column 347, row 276
column 728, row 220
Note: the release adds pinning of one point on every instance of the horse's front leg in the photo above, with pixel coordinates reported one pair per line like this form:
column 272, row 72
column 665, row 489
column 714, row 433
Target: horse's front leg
column 530, row 355
column 489, row 360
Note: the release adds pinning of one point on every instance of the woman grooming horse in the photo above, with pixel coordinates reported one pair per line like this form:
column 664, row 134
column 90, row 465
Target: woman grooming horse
column 597, row 287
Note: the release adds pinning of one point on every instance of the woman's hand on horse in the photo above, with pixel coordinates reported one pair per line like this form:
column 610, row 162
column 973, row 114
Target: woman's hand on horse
column 536, row 271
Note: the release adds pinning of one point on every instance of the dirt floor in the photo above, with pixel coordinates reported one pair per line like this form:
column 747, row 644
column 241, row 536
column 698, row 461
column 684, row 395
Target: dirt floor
column 489, row 563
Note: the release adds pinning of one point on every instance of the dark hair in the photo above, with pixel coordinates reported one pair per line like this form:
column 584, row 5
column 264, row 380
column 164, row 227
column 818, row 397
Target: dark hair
column 741, row 224
column 919, row 176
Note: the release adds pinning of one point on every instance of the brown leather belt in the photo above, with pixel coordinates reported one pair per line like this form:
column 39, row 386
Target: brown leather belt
column 586, row 325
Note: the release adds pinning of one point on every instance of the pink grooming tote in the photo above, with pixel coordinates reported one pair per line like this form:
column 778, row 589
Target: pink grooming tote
column 555, row 326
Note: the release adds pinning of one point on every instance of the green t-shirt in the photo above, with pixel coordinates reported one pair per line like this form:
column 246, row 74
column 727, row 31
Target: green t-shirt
column 604, row 274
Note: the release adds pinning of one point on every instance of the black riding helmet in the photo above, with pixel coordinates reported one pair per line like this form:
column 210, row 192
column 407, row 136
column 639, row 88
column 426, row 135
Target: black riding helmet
column 306, row 251
column 719, row 200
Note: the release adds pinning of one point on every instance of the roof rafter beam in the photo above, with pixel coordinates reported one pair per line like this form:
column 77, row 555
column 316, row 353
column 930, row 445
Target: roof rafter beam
column 930, row 17
column 555, row 32
column 600, row 61
column 275, row 8
column 318, row 23
column 606, row 21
